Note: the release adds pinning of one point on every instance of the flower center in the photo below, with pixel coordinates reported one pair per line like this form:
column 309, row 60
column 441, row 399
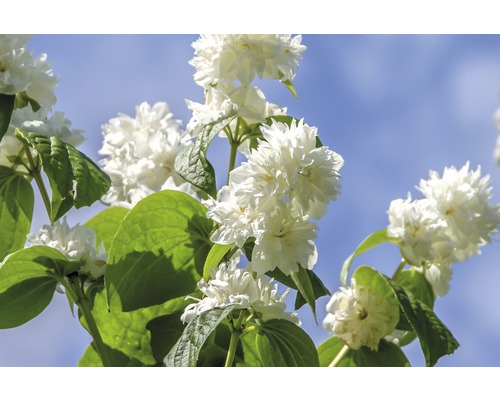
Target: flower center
column 361, row 312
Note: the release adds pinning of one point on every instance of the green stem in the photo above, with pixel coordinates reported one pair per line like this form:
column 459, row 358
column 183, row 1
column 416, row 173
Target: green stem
column 399, row 269
column 339, row 356
column 235, row 336
column 35, row 172
column 232, row 158
column 81, row 300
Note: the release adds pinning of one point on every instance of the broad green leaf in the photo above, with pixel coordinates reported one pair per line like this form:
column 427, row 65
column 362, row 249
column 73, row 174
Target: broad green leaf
column 371, row 241
column 6, row 108
column 16, row 210
column 165, row 332
column 28, row 282
column 415, row 282
column 435, row 338
column 191, row 163
column 215, row 256
column 310, row 283
column 92, row 359
column 126, row 334
column 25, row 300
column 250, row 356
column 159, row 251
column 388, row 355
column 319, row 290
column 281, row 343
column 304, row 286
column 214, row 351
column 187, row 349
column 75, row 180
column 106, row 224
column 309, row 287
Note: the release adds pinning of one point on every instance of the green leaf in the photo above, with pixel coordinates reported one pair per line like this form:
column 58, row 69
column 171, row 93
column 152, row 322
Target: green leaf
column 371, row 241
column 310, row 283
column 285, row 119
column 75, row 180
column 214, row 351
column 281, row 343
column 158, row 252
column 187, row 349
column 435, row 338
column 319, row 290
column 22, row 100
column 165, row 332
column 16, row 210
column 106, row 224
column 288, row 84
column 6, row 108
column 92, row 359
column 415, row 282
column 191, row 163
column 25, row 300
column 215, row 256
column 127, row 335
column 388, row 355
column 250, row 356
column 28, row 282
column 302, row 280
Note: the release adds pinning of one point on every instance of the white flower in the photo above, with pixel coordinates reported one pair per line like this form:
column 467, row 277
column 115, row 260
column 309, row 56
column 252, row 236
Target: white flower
column 359, row 316
column 237, row 221
column 140, row 154
column 230, row 285
column 43, row 82
column 248, row 103
column 285, row 242
column 77, row 244
column 439, row 277
column 40, row 123
column 451, row 224
column 224, row 58
column 420, row 232
column 20, row 72
column 15, row 64
column 461, row 197
column 312, row 172
column 261, row 182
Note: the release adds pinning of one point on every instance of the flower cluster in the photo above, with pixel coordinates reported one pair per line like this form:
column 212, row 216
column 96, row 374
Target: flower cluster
column 140, row 154
column 359, row 316
column 77, row 244
column 271, row 197
column 230, row 285
column 224, row 58
column 32, row 80
column 20, row 72
column 222, row 61
column 451, row 224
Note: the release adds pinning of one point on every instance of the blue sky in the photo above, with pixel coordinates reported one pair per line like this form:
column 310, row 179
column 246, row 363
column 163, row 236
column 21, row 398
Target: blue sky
column 394, row 106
